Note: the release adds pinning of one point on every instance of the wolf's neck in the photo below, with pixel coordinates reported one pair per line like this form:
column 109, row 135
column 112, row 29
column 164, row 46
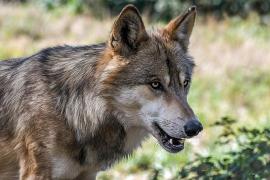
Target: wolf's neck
column 71, row 74
column 111, row 143
column 75, row 77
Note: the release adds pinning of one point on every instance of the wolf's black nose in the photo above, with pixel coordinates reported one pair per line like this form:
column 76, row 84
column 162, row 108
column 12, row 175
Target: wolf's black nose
column 192, row 128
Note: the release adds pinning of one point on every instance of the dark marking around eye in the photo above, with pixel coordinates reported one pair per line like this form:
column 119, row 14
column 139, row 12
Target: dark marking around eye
column 168, row 66
column 186, row 83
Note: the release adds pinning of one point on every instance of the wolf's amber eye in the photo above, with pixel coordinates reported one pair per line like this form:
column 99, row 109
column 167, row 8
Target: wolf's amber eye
column 156, row 85
column 186, row 83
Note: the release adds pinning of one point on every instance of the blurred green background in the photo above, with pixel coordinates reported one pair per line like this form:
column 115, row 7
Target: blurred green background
column 231, row 84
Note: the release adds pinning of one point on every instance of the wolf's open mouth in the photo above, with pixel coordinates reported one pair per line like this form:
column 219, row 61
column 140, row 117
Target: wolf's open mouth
column 169, row 143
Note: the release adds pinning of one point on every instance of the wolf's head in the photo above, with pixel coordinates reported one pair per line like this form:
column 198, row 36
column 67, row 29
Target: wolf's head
column 149, row 76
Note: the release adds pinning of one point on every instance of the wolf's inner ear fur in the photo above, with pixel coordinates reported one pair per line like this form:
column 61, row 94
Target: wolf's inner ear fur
column 180, row 28
column 128, row 31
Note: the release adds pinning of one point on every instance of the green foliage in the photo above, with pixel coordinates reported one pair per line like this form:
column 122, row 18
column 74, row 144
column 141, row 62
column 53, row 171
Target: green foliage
column 250, row 158
column 75, row 6
column 165, row 10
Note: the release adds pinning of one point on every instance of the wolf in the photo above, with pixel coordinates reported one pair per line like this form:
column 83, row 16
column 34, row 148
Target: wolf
column 69, row 112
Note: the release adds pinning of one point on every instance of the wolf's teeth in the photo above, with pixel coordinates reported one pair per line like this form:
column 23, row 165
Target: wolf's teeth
column 171, row 141
column 182, row 140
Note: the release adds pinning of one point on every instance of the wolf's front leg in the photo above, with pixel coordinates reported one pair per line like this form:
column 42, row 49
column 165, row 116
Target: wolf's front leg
column 34, row 160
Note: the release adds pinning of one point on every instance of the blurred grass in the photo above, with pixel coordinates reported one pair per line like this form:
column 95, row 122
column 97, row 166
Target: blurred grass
column 232, row 76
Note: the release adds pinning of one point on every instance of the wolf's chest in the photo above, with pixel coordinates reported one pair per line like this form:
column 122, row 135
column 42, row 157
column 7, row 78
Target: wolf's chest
column 66, row 167
column 98, row 154
column 63, row 167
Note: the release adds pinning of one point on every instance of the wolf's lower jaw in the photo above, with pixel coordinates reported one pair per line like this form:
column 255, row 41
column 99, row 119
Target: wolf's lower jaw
column 170, row 144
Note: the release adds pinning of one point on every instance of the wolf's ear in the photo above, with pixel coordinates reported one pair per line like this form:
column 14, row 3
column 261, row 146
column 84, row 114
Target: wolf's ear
column 180, row 28
column 128, row 31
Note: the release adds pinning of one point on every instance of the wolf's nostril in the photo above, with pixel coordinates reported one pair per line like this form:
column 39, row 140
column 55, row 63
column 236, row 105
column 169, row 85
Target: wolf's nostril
column 192, row 128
